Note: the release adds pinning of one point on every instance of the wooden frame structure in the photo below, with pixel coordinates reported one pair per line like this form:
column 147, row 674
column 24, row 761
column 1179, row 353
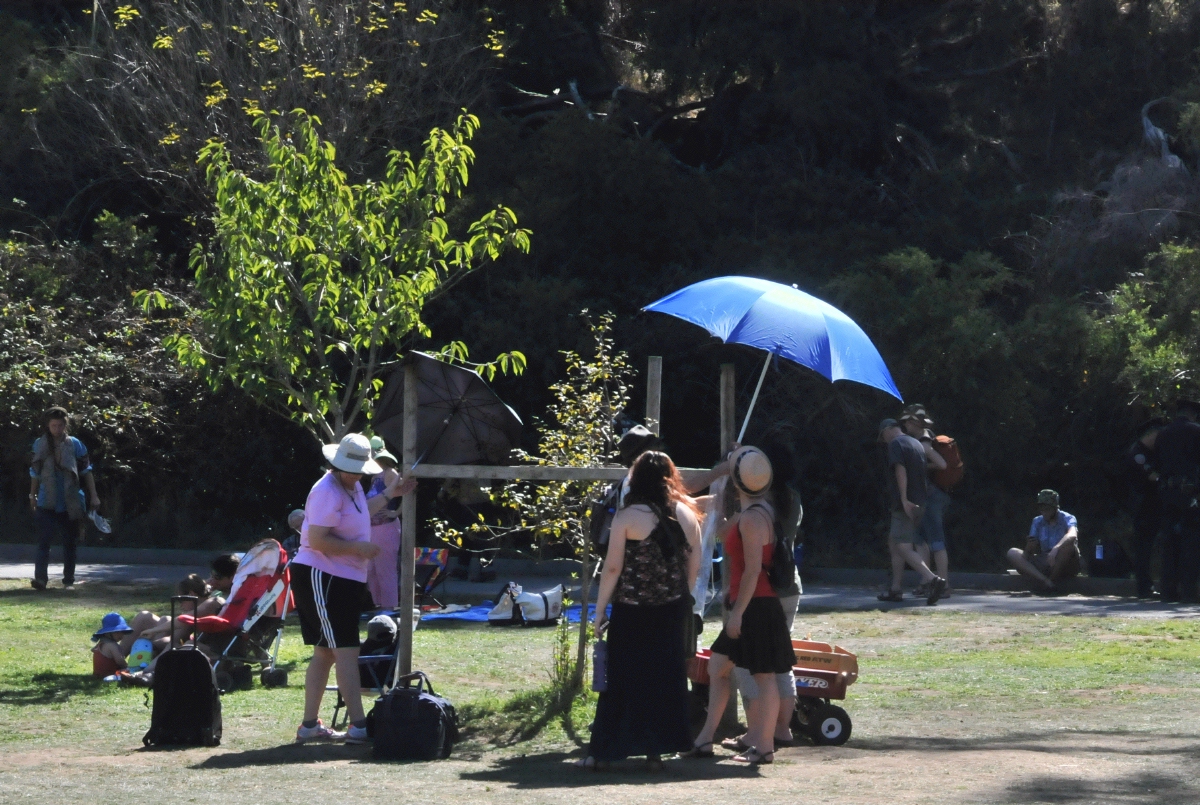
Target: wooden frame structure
column 532, row 472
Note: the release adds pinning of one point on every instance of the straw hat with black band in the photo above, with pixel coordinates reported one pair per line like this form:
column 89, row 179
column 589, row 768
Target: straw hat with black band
column 750, row 471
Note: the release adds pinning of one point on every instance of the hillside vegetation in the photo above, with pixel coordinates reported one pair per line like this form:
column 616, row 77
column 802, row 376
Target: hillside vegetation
column 1002, row 193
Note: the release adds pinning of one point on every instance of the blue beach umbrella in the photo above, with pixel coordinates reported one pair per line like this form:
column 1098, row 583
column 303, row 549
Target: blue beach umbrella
column 783, row 321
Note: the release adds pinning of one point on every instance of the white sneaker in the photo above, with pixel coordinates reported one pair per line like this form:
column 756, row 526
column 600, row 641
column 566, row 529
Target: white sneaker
column 318, row 733
column 357, row 735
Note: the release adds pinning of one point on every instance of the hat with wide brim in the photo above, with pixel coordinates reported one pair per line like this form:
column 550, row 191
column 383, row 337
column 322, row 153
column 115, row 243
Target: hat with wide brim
column 750, row 470
column 379, row 450
column 352, row 454
column 111, row 624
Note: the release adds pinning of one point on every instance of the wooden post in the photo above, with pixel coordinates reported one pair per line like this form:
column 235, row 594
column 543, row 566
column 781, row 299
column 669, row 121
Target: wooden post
column 728, row 725
column 654, row 395
column 408, row 523
column 728, row 407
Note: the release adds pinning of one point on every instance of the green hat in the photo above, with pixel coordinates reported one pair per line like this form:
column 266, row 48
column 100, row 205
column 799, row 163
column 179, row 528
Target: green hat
column 380, row 451
column 1047, row 497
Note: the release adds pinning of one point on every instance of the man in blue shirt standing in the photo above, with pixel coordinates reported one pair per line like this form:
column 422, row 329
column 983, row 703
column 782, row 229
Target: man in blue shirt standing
column 1052, row 548
column 58, row 469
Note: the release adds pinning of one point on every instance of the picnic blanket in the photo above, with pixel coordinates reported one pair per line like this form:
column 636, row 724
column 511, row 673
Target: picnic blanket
column 478, row 614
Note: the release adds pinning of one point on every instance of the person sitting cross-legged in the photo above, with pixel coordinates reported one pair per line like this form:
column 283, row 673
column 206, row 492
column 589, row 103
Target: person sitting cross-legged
column 1052, row 549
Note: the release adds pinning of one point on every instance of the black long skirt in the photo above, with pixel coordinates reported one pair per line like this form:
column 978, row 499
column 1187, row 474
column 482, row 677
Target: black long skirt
column 645, row 709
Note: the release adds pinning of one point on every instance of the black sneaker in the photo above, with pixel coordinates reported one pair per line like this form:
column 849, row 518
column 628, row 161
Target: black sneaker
column 936, row 588
column 68, row 584
column 37, row 585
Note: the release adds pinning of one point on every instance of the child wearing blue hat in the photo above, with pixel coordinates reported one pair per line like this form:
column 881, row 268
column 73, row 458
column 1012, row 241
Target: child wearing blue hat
column 107, row 656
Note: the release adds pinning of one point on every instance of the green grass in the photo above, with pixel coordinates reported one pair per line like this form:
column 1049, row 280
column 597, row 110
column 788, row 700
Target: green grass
column 496, row 678
column 929, row 678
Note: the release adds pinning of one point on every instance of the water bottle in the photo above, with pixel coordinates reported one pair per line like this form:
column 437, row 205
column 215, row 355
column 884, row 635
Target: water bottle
column 1099, row 552
column 600, row 666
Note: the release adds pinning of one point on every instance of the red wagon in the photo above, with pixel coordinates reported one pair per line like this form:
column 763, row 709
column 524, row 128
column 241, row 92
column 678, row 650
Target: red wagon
column 823, row 672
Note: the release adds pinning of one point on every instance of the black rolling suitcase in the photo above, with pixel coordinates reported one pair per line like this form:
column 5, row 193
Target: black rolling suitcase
column 413, row 723
column 187, row 703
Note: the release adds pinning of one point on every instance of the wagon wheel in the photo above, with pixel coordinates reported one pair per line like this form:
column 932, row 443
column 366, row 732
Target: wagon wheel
column 830, row 726
column 802, row 716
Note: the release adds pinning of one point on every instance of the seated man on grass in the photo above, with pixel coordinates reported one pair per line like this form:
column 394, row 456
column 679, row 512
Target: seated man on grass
column 1052, row 548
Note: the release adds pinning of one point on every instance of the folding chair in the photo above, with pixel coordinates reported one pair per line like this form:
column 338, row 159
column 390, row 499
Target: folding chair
column 429, row 572
column 375, row 671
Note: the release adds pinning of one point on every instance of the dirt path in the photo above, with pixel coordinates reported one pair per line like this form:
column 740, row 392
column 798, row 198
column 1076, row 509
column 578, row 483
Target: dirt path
column 1001, row 763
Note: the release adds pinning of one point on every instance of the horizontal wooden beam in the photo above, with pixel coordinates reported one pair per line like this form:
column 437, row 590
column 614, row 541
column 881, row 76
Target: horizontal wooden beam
column 528, row 472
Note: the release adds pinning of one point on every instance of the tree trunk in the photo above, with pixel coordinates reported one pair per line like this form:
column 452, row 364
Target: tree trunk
column 585, row 590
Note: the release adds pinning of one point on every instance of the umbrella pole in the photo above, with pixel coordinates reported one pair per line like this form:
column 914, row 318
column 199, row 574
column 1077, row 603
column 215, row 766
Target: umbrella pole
column 761, row 377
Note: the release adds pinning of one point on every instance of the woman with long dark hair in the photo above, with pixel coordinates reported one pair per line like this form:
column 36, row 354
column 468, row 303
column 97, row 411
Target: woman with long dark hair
column 755, row 636
column 651, row 565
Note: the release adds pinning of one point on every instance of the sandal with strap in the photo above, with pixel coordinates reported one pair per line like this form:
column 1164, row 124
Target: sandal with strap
column 755, row 758
column 736, row 744
column 698, row 750
column 891, row 595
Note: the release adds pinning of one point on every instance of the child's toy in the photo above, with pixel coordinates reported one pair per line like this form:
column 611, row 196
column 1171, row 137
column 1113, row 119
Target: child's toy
column 822, row 672
column 140, row 654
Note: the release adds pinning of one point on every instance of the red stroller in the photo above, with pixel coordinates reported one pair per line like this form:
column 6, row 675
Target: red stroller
column 249, row 628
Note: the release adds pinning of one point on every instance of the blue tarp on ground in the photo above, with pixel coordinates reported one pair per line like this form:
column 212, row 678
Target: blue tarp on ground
column 478, row 614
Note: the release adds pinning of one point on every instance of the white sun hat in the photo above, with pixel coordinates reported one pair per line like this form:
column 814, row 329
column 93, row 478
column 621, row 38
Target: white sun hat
column 352, row 454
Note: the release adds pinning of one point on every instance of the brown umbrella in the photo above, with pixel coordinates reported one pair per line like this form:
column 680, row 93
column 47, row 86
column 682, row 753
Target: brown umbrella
column 460, row 420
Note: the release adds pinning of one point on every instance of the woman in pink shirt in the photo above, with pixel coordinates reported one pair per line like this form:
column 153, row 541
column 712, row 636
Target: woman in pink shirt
column 329, row 577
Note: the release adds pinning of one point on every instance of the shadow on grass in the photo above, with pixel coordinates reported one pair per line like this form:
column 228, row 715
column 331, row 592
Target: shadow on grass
column 283, row 755
column 552, row 770
column 520, row 718
column 50, row 687
column 1133, row 789
column 1056, row 742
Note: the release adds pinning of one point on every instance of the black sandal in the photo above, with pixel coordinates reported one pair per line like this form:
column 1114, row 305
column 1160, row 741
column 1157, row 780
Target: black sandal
column 735, row 744
column 755, row 758
column 697, row 751
column 894, row 596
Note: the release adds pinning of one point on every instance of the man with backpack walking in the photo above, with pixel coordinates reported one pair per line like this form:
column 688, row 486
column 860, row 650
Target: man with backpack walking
column 945, row 466
column 906, row 494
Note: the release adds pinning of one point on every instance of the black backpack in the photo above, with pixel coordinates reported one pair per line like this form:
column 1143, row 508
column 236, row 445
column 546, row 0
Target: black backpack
column 601, row 514
column 187, row 703
column 413, row 723
column 782, row 571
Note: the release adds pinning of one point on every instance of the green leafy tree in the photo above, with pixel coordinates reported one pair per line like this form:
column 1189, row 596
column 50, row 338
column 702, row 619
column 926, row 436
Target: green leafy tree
column 70, row 337
column 1151, row 327
column 311, row 284
column 147, row 83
